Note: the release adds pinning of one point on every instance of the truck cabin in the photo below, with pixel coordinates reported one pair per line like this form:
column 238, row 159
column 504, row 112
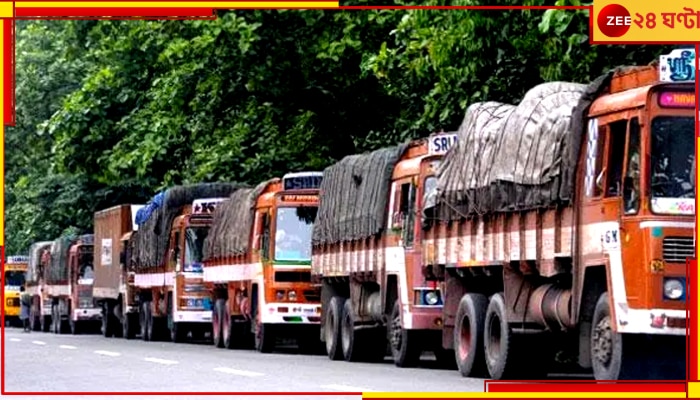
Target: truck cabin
column 415, row 178
column 644, row 153
column 15, row 272
column 80, row 260
column 296, row 206
column 189, row 231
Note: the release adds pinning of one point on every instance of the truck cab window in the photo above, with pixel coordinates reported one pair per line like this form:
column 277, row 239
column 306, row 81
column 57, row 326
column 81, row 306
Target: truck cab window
column 406, row 209
column 265, row 240
column 598, row 155
column 616, row 152
column 631, row 182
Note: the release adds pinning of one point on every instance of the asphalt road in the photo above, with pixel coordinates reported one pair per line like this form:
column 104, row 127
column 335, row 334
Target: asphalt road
column 43, row 362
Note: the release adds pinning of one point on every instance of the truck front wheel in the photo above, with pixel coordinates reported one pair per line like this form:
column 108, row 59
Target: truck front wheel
column 607, row 346
column 405, row 344
column 217, row 318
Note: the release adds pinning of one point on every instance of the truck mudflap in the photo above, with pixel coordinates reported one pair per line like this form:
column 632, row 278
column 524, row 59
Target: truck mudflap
column 87, row 314
column 654, row 322
column 192, row 316
column 291, row 313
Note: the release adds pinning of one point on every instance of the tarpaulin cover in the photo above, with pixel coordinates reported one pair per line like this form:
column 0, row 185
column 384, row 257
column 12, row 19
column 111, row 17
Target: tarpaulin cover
column 145, row 212
column 232, row 223
column 150, row 242
column 515, row 158
column 58, row 266
column 34, row 267
column 354, row 196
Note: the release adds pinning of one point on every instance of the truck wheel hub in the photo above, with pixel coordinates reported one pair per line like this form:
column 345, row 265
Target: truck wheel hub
column 602, row 341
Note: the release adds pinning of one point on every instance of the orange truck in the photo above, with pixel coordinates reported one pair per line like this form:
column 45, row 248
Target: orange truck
column 367, row 252
column 14, row 272
column 68, row 277
column 166, row 255
column 114, row 283
column 559, row 228
column 258, row 265
column 40, row 310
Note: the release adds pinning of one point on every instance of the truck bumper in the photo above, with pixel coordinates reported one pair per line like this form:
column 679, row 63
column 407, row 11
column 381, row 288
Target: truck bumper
column 425, row 318
column 291, row 313
column 87, row 314
column 654, row 322
column 192, row 316
column 12, row 312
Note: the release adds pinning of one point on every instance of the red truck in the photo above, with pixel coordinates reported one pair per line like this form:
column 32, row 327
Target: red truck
column 68, row 277
column 165, row 254
column 367, row 253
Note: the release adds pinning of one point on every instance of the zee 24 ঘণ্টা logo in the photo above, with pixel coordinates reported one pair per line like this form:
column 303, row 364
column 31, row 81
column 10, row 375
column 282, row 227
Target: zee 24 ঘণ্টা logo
column 614, row 20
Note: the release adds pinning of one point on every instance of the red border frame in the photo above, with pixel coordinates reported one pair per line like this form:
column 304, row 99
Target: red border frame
column 209, row 13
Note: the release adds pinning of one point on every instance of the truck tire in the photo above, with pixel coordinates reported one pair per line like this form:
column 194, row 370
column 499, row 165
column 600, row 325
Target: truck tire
column 144, row 321
column 177, row 334
column 45, row 323
column 607, row 347
column 334, row 312
column 360, row 344
column 74, row 326
column 216, row 323
column 231, row 331
column 469, row 335
column 129, row 326
column 55, row 320
column 405, row 344
column 107, row 326
column 265, row 338
column 503, row 360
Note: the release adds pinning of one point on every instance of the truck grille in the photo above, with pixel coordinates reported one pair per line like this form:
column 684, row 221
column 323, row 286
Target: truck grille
column 678, row 248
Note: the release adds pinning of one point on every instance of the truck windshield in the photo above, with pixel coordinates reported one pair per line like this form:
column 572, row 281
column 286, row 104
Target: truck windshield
column 672, row 154
column 194, row 248
column 293, row 235
column 14, row 278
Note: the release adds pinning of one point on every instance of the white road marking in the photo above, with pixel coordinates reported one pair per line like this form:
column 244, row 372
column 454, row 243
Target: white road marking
column 107, row 353
column 40, row 343
column 65, row 346
column 15, row 340
column 344, row 388
column 239, row 372
column 160, row 361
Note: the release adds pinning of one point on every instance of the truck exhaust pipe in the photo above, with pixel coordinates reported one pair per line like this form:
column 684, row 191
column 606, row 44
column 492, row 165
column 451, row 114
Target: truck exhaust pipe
column 550, row 307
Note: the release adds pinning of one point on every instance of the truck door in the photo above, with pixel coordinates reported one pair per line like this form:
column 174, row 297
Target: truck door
column 403, row 224
column 601, row 217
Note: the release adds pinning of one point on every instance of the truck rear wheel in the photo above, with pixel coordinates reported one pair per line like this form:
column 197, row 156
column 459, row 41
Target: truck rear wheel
column 360, row 344
column 405, row 344
column 177, row 333
column 74, row 326
column 610, row 355
column 509, row 355
column 45, row 323
column 334, row 312
column 144, row 320
column 55, row 320
column 129, row 325
column 469, row 334
column 216, row 323
column 107, row 325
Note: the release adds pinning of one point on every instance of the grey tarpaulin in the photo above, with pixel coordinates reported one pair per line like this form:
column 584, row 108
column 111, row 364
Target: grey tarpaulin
column 515, row 158
column 150, row 242
column 58, row 267
column 230, row 231
column 354, row 195
column 35, row 251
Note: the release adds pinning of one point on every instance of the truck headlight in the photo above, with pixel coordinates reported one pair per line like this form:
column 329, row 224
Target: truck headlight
column 280, row 295
column 292, row 295
column 674, row 289
column 432, row 298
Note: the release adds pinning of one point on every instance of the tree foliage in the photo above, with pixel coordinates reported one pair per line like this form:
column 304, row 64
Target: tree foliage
column 108, row 112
